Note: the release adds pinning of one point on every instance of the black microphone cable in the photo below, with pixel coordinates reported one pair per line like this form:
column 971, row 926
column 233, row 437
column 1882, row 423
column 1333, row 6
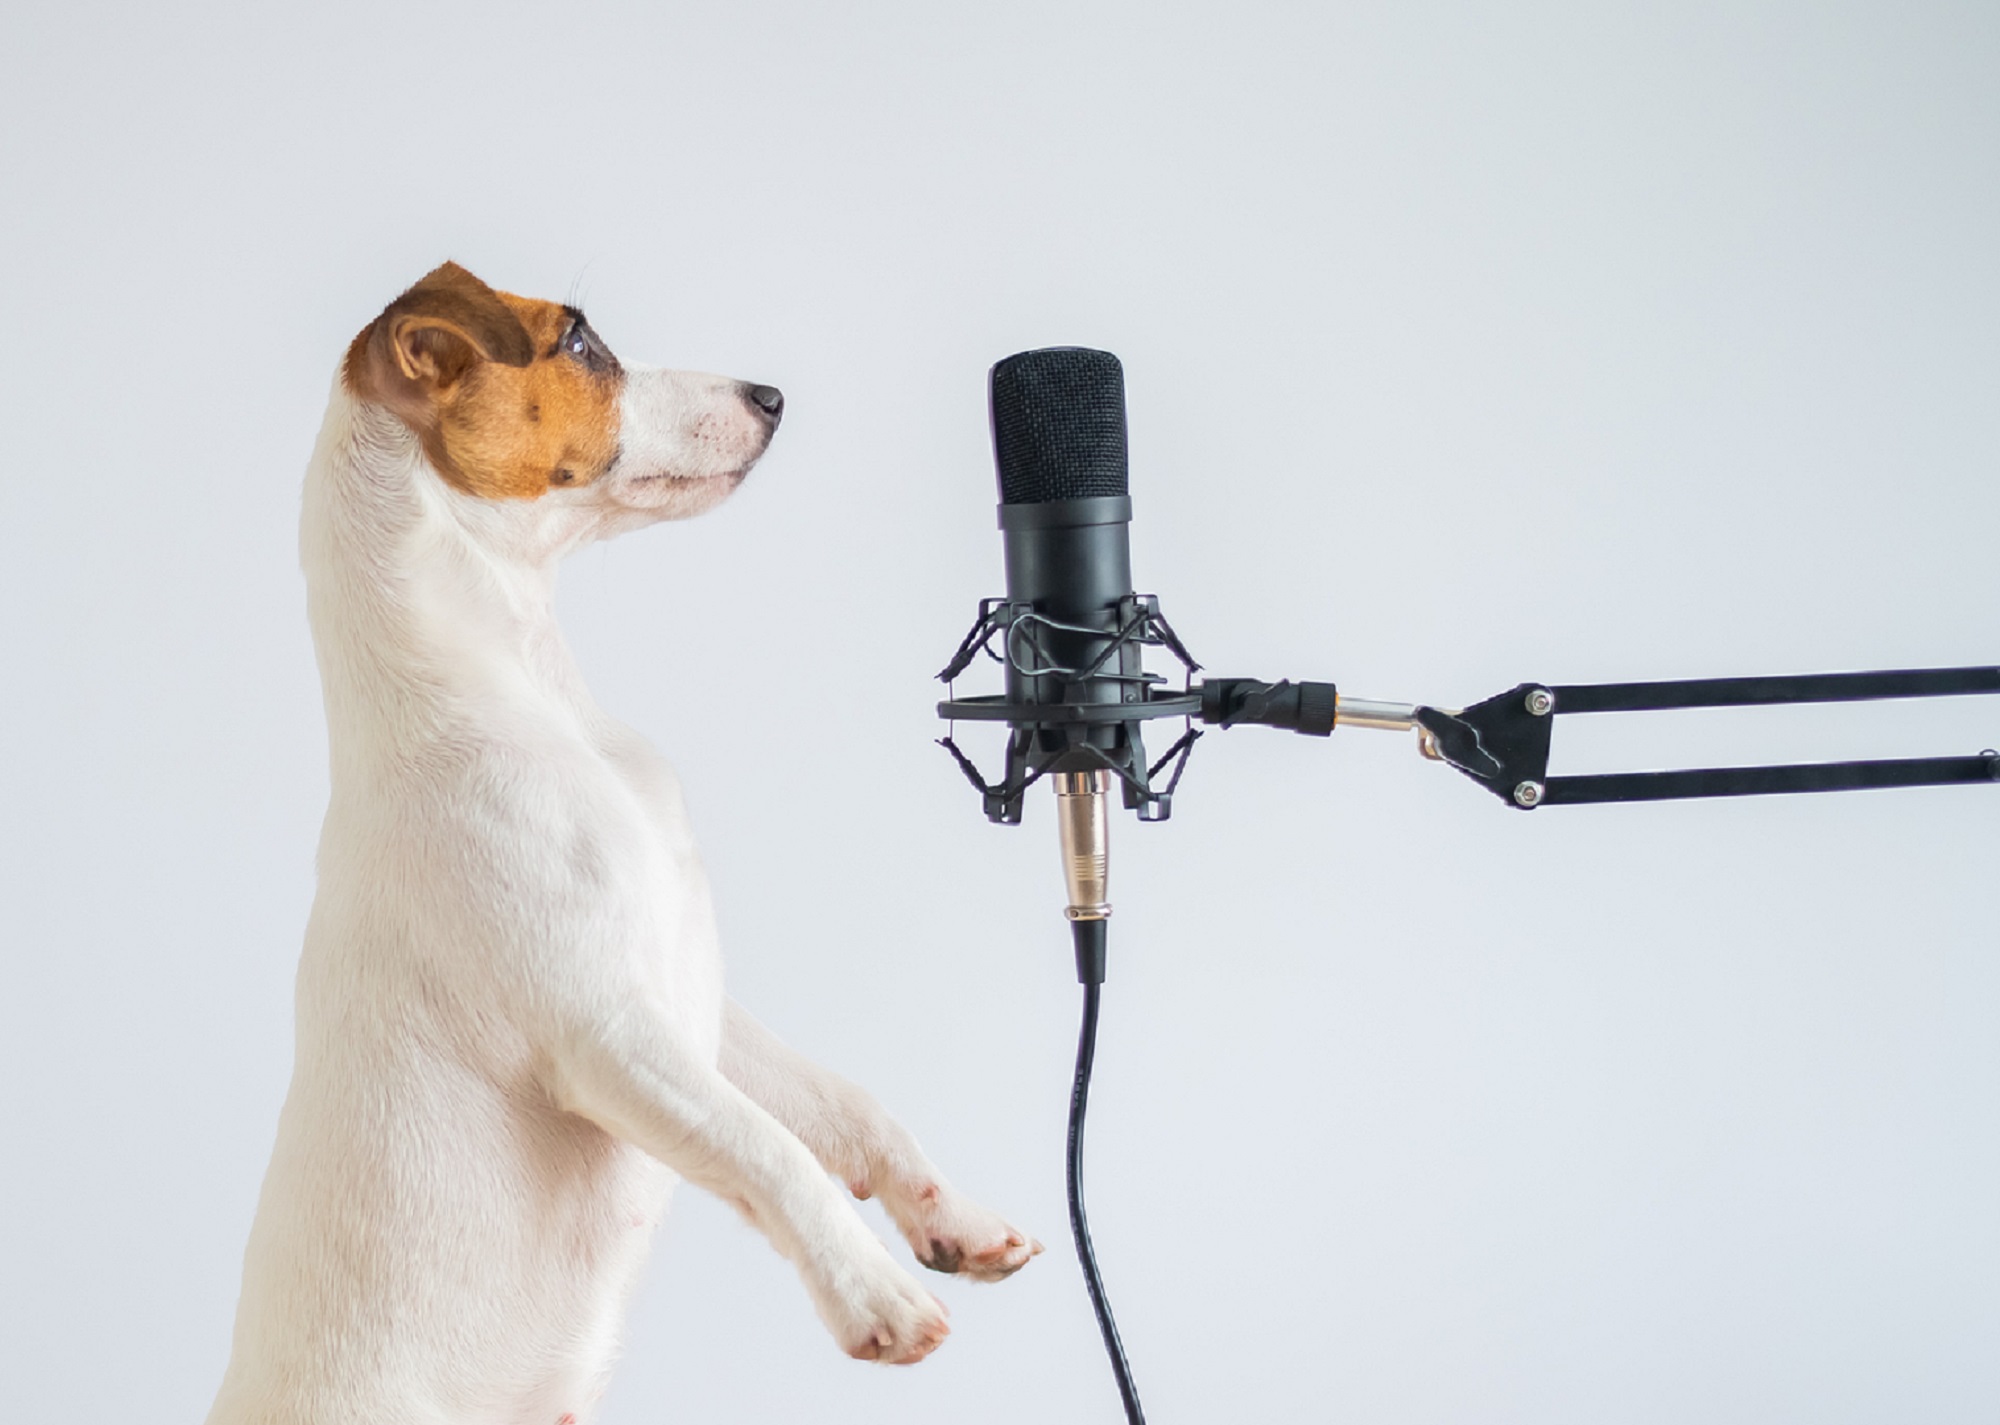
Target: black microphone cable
column 1090, row 964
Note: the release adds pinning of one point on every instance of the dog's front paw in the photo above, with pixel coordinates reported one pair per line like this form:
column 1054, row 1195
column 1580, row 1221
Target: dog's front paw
column 877, row 1312
column 951, row 1233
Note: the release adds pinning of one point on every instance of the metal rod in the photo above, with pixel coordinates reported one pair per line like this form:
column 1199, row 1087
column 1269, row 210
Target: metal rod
column 1365, row 712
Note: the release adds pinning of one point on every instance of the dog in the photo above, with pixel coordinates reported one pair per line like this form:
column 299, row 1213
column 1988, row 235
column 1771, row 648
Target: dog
column 513, row 1037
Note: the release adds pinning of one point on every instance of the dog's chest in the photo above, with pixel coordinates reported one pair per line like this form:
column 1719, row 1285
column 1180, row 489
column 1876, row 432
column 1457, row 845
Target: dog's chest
column 621, row 856
column 532, row 865
column 658, row 873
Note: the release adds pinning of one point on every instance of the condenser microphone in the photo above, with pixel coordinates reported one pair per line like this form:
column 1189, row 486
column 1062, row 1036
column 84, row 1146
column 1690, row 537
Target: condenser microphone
column 1059, row 448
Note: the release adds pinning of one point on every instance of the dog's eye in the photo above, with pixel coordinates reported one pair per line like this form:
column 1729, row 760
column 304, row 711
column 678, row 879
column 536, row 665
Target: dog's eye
column 586, row 346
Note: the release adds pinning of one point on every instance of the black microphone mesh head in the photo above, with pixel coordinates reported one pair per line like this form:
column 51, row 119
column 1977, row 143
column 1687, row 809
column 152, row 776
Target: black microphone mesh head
column 1059, row 425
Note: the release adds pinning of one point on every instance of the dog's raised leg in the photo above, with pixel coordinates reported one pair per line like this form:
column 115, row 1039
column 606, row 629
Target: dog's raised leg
column 627, row 1072
column 855, row 1138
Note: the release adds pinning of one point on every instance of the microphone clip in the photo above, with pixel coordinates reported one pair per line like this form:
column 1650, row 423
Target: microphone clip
column 1092, row 720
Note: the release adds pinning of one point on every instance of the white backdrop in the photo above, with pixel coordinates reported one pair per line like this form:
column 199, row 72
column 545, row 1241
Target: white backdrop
column 1465, row 344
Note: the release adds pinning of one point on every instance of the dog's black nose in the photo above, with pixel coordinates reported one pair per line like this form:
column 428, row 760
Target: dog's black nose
column 768, row 399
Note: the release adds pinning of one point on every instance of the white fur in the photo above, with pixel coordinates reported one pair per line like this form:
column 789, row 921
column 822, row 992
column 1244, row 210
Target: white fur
column 512, row 1031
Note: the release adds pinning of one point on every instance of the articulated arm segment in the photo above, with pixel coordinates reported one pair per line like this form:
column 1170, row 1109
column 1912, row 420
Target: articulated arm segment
column 1503, row 743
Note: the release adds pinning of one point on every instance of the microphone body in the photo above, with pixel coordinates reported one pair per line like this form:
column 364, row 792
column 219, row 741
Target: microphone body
column 1059, row 448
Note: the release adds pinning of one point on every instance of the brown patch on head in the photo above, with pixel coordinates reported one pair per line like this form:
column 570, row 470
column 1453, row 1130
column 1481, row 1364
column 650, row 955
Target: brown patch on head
column 510, row 397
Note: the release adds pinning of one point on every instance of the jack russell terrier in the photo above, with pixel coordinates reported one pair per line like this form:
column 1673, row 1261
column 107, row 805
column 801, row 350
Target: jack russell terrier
column 512, row 1033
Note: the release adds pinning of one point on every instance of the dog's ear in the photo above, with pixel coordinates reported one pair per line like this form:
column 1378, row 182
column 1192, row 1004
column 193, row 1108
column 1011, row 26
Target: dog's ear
column 428, row 338
column 446, row 322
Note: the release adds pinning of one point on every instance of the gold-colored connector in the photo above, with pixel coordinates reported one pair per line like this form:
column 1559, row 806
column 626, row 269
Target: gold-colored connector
column 1083, row 818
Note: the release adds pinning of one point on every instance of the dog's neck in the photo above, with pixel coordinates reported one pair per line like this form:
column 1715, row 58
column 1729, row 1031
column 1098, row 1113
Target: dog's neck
column 430, row 609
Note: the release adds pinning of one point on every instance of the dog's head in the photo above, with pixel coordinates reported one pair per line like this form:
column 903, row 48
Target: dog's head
column 514, row 399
